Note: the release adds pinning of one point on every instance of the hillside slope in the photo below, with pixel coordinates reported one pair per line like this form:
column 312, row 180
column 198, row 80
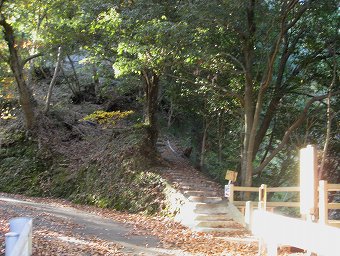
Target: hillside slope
column 84, row 161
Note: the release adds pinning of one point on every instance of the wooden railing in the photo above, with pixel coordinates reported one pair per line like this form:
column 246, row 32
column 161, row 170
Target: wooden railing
column 262, row 192
column 324, row 205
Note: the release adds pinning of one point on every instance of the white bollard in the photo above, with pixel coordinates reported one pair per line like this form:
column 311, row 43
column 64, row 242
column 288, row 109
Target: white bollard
column 17, row 225
column 10, row 240
column 248, row 216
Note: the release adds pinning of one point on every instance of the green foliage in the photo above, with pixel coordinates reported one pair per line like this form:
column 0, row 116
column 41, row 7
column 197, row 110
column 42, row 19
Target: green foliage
column 197, row 50
column 128, row 185
column 107, row 118
column 122, row 178
column 21, row 167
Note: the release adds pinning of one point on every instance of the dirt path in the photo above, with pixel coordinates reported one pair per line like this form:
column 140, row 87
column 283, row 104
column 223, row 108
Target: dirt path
column 77, row 232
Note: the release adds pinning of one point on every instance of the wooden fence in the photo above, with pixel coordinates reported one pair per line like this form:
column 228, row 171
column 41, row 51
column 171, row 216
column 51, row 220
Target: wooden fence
column 324, row 204
column 262, row 192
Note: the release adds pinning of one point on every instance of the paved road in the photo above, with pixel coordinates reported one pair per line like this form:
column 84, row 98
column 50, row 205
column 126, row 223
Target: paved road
column 87, row 224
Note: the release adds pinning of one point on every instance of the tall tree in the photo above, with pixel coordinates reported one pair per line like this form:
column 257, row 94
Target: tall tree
column 147, row 40
column 17, row 66
column 267, row 44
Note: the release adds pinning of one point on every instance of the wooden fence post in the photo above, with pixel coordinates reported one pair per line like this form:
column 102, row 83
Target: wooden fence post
column 262, row 205
column 323, row 202
column 231, row 193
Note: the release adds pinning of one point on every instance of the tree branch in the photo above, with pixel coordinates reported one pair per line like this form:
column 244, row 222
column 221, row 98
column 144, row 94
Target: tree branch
column 295, row 125
column 31, row 57
column 298, row 16
column 279, row 89
column 230, row 93
column 182, row 79
column 237, row 61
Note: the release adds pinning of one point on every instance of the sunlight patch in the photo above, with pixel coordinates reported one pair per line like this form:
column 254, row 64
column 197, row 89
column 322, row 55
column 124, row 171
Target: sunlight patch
column 72, row 240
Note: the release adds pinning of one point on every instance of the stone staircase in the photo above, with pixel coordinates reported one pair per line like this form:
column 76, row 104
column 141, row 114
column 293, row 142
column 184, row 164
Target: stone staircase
column 199, row 202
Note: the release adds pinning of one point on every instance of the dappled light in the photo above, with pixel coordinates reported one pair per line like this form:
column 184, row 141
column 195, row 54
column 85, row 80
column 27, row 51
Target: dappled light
column 141, row 110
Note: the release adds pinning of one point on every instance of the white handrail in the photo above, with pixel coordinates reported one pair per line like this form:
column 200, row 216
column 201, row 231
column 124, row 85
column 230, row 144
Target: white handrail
column 278, row 230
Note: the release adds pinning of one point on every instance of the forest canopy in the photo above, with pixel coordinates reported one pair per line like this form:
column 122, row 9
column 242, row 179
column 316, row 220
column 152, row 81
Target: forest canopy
column 242, row 84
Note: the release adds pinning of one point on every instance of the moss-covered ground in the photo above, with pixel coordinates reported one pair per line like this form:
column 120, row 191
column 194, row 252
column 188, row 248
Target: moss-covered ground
column 112, row 172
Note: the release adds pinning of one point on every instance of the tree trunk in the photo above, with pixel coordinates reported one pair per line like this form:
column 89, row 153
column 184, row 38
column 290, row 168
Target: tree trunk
column 53, row 81
column 170, row 114
column 220, row 136
column 96, row 82
column 204, row 143
column 248, row 52
column 77, row 83
column 322, row 172
column 253, row 108
column 151, row 80
column 32, row 51
column 16, row 65
column 68, row 82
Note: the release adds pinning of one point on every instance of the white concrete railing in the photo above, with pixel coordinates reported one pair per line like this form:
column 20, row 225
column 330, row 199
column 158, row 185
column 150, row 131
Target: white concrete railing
column 19, row 239
column 276, row 230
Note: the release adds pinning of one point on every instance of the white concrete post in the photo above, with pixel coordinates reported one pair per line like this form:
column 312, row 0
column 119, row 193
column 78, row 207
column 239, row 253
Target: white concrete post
column 17, row 225
column 308, row 181
column 248, row 214
column 272, row 249
column 10, row 240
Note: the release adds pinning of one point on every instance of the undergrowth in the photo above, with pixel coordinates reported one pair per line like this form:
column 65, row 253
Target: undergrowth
column 121, row 177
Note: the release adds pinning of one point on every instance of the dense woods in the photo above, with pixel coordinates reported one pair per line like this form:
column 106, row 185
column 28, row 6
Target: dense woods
column 243, row 85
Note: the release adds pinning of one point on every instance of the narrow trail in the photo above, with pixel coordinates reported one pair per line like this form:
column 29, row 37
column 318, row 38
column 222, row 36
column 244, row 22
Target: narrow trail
column 207, row 208
column 181, row 165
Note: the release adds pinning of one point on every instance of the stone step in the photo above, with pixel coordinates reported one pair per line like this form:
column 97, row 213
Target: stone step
column 202, row 208
column 205, row 199
column 212, row 217
column 206, row 206
column 219, row 204
column 195, row 185
column 211, row 230
column 215, row 224
column 204, row 189
column 189, row 193
column 190, row 180
column 181, row 176
column 241, row 240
